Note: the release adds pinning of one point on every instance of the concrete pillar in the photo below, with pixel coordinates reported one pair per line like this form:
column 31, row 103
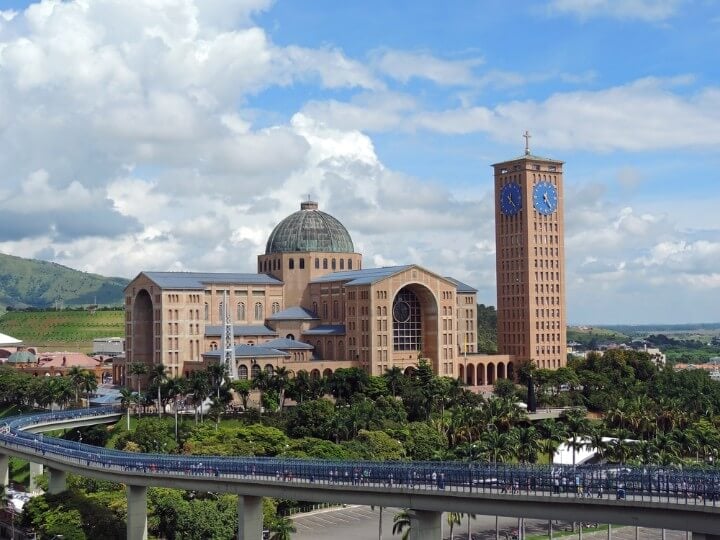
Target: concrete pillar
column 57, row 483
column 5, row 470
column 250, row 517
column 609, row 531
column 425, row 525
column 137, row 513
column 36, row 469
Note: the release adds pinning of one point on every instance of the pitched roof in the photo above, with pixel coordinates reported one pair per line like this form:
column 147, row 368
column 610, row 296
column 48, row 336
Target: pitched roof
column 241, row 330
column 460, row 286
column 198, row 280
column 250, row 351
column 293, row 314
column 365, row 276
column 326, row 330
column 286, row 344
column 8, row 340
column 67, row 360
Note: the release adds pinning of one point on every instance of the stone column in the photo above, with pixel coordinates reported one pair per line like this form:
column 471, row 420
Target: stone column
column 36, row 469
column 250, row 517
column 5, row 470
column 425, row 525
column 137, row 513
column 57, row 483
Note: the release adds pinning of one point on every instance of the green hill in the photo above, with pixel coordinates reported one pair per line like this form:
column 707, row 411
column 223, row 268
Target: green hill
column 62, row 330
column 29, row 283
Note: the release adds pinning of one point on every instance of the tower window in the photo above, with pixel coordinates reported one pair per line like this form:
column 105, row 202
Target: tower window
column 317, row 263
column 291, row 264
column 325, row 264
column 302, row 263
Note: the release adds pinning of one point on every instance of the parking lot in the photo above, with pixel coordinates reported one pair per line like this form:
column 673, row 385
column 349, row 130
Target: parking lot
column 361, row 523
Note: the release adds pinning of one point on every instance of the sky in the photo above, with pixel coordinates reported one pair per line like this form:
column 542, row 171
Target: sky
column 175, row 134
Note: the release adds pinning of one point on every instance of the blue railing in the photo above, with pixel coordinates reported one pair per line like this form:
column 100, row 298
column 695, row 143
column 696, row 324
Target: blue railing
column 693, row 486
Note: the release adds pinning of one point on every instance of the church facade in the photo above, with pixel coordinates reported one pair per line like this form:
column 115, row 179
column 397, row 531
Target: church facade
column 311, row 306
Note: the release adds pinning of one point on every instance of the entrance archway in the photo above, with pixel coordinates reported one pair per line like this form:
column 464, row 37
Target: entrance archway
column 470, row 381
column 415, row 324
column 142, row 329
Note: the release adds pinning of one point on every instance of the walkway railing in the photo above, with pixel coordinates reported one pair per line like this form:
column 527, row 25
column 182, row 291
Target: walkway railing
column 693, row 486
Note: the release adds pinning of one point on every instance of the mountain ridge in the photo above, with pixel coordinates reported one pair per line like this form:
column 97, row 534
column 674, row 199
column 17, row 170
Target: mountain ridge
column 36, row 283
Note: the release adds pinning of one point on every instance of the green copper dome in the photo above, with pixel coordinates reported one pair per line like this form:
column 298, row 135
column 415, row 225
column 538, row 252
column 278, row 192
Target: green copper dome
column 309, row 230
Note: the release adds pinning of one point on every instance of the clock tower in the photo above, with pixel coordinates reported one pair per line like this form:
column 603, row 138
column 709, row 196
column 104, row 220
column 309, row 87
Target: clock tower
column 530, row 259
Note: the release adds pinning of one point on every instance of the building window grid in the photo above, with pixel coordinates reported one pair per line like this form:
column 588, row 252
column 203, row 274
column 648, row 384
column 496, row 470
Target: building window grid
column 407, row 336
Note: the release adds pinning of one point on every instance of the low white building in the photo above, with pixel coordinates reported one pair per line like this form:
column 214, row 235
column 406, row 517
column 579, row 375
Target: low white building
column 110, row 346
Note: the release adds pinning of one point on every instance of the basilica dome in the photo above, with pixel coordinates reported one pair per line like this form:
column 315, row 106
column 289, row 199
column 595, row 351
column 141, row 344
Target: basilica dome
column 309, row 229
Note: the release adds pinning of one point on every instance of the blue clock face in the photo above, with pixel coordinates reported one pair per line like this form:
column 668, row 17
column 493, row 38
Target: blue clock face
column 510, row 199
column 545, row 198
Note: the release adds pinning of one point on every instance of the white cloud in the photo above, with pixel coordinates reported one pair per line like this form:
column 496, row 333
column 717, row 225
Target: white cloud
column 643, row 115
column 405, row 65
column 646, row 10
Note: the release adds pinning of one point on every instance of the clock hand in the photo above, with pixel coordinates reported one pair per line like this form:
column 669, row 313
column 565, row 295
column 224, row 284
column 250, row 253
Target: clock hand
column 547, row 201
column 511, row 201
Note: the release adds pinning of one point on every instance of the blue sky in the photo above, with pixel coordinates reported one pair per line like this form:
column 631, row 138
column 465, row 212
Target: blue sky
column 175, row 135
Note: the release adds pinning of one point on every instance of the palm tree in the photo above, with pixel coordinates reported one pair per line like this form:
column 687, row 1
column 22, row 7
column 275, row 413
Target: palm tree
column 200, row 388
column 555, row 434
column 216, row 411
column 126, row 399
column 395, row 377
column 177, row 388
column 502, row 446
column 158, row 377
column 217, row 374
column 401, row 524
column 279, row 380
column 301, row 386
column 89, row 384
column 282, row 528
column 453, row 518
column 76, row 376
column 577, row 425
column 138, row 369
column 62, row 391
column 242, row 387
column 528, row 440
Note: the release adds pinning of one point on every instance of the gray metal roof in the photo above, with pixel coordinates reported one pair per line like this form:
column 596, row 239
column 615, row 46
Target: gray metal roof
column 198, row 280
column 250, row 351
column 326, row 330
column 242, row 330
column 309, row 229
column 365, row 276
column 460, row 286
column 286, row 344
column 293, row 314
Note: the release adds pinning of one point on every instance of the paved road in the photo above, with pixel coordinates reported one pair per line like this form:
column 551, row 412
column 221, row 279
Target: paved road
column 361, row 523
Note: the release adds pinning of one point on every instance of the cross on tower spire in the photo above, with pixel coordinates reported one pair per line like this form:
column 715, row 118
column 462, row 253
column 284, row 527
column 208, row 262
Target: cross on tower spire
column 527, row 142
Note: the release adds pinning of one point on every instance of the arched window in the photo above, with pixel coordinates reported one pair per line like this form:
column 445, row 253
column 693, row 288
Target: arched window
column 330, row 350
column 242, row 372
column 341, row 350
column 207, row 312
column 255, row 371
column 342, row 264
column 241, row 311
column 324, row 264
column 318, row 350
column 336, row 310
column 325, row 311
column 317, row 263
column 334, row 264
column 268, row 369
column 302, row 263
column 407, row 321
column 290, row 337
column 265, row 266
column 259, row 315
column 315, row 311
column 221, row 313
column 213, row 345
column 349, row 264
column 275, row 307
column 291, row 264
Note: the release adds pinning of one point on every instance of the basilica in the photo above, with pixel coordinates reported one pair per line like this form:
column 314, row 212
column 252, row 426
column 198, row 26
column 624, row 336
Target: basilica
column 311, row 306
